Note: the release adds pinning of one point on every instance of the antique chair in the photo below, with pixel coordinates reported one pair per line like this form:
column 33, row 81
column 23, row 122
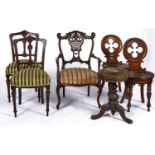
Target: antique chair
column 12, row 67
column 30, row 77
column 76, row 76
column 111, row 46
column 134, row 50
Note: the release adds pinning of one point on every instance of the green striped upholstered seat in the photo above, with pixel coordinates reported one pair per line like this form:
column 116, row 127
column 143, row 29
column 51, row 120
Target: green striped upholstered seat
column 12, row 67
column 30, row 78
column 78, row 76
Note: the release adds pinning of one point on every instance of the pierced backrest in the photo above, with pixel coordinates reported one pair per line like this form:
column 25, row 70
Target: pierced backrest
column 29, row 50
column 18, row 35
column 76, row 40
column 134, row 50
column 111, row 46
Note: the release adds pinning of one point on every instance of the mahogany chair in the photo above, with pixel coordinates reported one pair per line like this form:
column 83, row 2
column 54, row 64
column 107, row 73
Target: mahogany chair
column 111, row 46
column 12, row 67
column 76, row 76
column 30, row 73
column 134, row 50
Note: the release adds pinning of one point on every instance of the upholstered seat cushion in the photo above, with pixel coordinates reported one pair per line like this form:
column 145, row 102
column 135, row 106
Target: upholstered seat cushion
column 78, row 76
column 113, row 74
column 12, row 67
column 30, row 78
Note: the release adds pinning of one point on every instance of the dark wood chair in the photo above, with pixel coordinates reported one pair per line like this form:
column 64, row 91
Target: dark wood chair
column 111, row 46
column 12, row 67
column 134, row 50
column 76, row 76
column 30, row 72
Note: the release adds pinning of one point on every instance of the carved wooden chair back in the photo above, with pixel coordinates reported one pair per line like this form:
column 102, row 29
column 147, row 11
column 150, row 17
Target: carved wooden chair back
column 134, row 50
column 18, row 35
column 76, row 40
column 111, row 46
column 27, row 48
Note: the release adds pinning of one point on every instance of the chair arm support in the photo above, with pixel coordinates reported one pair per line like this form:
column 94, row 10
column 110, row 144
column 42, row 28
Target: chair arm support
column 98, row 59
column 58, row 64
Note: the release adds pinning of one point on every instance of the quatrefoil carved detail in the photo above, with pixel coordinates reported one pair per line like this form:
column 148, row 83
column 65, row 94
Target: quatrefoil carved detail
column 135, row 50
column 111, row 45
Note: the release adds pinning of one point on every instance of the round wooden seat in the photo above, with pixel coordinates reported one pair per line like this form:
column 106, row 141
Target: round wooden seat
column 143, row 76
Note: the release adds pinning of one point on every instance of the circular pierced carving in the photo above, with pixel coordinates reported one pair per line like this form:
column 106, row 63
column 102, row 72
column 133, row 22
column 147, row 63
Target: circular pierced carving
column 111, row 45
column 135, row 49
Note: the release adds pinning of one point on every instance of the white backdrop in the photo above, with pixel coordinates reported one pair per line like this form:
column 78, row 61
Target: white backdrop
column 70, row 130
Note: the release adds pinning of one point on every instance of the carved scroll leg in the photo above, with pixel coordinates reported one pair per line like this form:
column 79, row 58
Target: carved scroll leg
column 124, row 94
column 99, row 93
column 149, row 93
column 119, row 87
column 103, row 109
column 14, row 100
column 8, row 87
column 121, row 111
column 47, row 99
column 142, row 93
column 58, row 96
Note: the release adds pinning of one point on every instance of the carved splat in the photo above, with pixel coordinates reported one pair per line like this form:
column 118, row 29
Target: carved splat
column 111, row 46
column 135, row 49
column 29, row 45
column 75, row 40
column 21, row 34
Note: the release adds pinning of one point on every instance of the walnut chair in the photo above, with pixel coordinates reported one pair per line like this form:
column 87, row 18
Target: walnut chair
column 76, row 76
column 134, row 50
column 111, row 46
column 29, row 77
column 12, row 67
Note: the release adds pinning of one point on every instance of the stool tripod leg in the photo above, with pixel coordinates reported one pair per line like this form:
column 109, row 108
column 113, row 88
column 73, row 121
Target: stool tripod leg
column 103, row 109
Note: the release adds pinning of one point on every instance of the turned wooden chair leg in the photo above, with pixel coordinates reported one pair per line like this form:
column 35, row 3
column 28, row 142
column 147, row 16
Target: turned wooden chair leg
column 149, row 93
column 58, row 96
column 99, row 93
column 14, row 100
column 129, row 93
column 124, row 93
column 88, row 93
column 63, row 91
column 119, row 87
column 42, row 95
column 47, row 99
column 8, row 87
column 142, row 93
column 20, row 95
column 39, row 94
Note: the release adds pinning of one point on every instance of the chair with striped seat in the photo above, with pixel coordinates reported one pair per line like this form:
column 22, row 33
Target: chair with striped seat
column 76, row 76
column 12, row 67
column 31, row 76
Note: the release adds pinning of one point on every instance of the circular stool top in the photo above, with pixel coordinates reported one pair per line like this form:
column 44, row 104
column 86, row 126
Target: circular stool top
column 113, row 74
column 118, row 65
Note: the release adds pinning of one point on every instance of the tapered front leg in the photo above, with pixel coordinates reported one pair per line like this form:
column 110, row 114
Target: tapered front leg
column 47, row 99
column 14, row 100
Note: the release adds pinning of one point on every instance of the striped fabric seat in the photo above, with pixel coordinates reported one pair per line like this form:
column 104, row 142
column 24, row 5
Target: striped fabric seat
column 30, row 78
column 78, row 76
column 12, row 67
